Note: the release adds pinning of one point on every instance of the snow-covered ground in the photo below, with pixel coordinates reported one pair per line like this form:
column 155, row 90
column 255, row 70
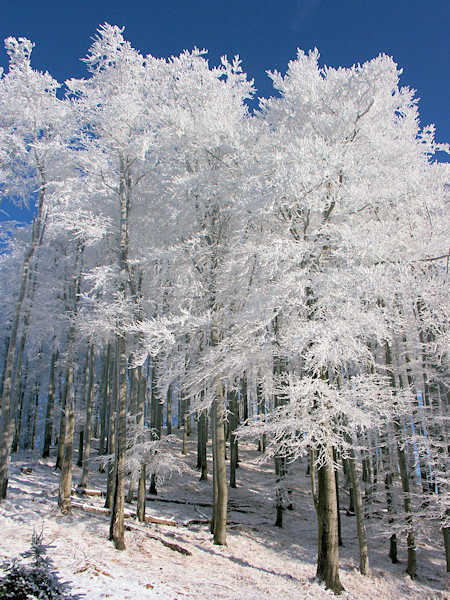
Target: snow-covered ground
column 260, row 561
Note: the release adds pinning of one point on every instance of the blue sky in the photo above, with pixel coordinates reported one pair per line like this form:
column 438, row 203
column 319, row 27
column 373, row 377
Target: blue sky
column 265, row 33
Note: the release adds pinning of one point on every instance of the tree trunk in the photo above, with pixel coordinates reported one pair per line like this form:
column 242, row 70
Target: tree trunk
column 104, row 391
column 280, row 472
column 359, row 511
column 446, row 534
column 112, row 432
column 17, row 424
column 50, row 407
column 402, row 460
column 336, row 476
column 156, row 413
column 62, row 428
column 328, row 548
column 88, row 421
column 221, row 489
column 202, row 434
column 169, row 410
column 185, row 434
column 116, row 530
column 65, row 482
column 234, row 422
column 140, row 511
column 244, row 398
column 261, row 415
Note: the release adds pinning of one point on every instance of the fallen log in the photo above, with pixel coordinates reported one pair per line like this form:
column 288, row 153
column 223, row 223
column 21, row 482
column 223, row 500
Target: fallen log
column 88, row 492
column 100, row 510
column 231, row 505
column 171, row 545
column 175, row 501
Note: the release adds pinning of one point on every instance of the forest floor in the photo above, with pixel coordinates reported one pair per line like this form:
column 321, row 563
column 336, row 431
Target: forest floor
column 260, row 562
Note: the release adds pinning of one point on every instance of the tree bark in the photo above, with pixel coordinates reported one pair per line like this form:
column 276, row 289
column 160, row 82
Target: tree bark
column 140, row 511
column 202, row 433
column 116, row 530
column 50, row 407
column 88, row 421
column 234, row 422
column 402, row 460
column 65, row 482
column 359, row 511
column 104, row 391
column 221, row 490
column 328, row 548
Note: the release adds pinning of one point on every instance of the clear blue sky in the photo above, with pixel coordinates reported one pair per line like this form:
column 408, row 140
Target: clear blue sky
column 265, row 33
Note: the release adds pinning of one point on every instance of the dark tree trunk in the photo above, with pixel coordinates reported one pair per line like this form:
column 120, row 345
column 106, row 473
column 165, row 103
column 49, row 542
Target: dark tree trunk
column 328, row 548
column 50, row 407
column 202, row 435
column 234, row 422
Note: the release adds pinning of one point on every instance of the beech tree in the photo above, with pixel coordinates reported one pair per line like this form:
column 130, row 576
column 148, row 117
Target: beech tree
column 342, row 182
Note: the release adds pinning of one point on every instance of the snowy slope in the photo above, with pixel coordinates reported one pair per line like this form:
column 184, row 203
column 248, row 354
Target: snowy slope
column 260, row 562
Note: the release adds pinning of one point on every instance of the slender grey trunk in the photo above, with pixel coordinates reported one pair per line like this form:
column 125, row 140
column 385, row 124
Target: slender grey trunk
column 116, row 530
column 112, row 431
column 17, row 424
column 402, row 460
column 221, row 489
column 50, row 407
column 359, row 511
column 65, row 482
column 134, row 409
column 104, row 391
column 88, row 421
column 142, row 475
